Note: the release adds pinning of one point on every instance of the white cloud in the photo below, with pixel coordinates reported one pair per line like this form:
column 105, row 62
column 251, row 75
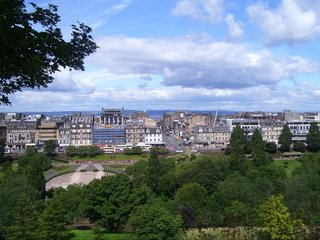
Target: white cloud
column 205, row 10
column 190, row 63
column 114, row 9
column 288, row 24
column 146, row 77
column 248, row 99
column 100, row 19
column 235, row 28
column 65, row 81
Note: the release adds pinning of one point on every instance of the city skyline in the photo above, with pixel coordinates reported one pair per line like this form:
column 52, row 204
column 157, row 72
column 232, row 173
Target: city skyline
column 193, row 55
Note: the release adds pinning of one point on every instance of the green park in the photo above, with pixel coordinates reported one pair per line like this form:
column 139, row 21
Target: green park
column 246, row 193
column 252, row 190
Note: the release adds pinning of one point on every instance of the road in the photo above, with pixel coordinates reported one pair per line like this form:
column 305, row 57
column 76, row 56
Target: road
column 172, row 143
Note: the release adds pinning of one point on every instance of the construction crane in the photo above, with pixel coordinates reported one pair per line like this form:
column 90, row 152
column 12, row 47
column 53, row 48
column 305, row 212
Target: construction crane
column 215, row 117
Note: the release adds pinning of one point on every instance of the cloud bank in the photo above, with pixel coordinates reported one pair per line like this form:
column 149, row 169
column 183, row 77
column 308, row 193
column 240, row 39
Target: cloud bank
column 190, row 63
column 289, row 23
column 205, row 10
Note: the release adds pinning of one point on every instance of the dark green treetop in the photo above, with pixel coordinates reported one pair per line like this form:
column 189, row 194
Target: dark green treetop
column 32, row 47
column 313, row 138
column 238, row 137
column 285, row 139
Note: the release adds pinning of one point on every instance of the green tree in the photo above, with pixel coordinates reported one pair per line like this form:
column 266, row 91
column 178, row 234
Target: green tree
column 237, row 197
column 32, row 47
column 256, row 140
column 237, row 137
column 71, row 199
column 12, row 186
column 192, row 195
column 208, row 171
column 153, row 170
column 136, row 150
column 260, row 157
column 137, row 171
column 30, row 151
column 276, row 219
column 238, row 160
column 237, row 213
column 285, row 139
column 35, row 176
column 71, row 151
column 153, row 222
column 162, row 150
column 302, row 190
column 109, row 201
column 35, row 158
column 299, row 147
column 25, row 220
column 94, row 151
column 168, row 184
column 271, row 147
column 50, row 147
column 53, row 221
column 98, row 233
column 2, row 148
column 313, row 138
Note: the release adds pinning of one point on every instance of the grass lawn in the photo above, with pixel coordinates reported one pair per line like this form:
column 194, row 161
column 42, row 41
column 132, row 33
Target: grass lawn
column 88, row 235
column 113, row 157
column 291, row 165
column 115, row 168
column 58, row 170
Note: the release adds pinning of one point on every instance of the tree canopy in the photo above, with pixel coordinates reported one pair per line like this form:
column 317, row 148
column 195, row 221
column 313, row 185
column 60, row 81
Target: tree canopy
column 32, row 47
column 277, row 220
column 206, row 192
column 153, row 222
column 313, row 138
column 237, row 137
column 285, row 139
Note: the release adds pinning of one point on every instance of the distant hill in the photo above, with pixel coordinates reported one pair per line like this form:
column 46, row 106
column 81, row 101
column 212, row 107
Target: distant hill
column 152, row 113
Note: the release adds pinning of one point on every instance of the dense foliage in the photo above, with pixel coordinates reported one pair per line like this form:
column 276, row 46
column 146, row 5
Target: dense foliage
column 162, row 196
column 83, row 151
column 313, row 138
column 133, row 151
column 32, row 47
column 285, row 139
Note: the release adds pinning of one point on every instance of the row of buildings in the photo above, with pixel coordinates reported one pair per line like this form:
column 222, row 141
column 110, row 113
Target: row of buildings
column 107, row 130
column 215, row 130
column 111, row 129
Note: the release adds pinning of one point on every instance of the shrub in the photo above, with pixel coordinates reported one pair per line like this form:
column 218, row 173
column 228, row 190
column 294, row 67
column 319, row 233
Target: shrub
column 299, row 147
column 83, row 151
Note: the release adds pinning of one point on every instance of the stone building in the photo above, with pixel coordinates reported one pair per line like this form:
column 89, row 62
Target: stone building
column 153, row 136
column 135, row 131
column 21, row 133
column 197, row 119
column 64, row 135
column 208, row 135
column 47, row 130
column 271, row 131
column 81, row 130
column 112, row 117
column 182, row 123
column 248, row 125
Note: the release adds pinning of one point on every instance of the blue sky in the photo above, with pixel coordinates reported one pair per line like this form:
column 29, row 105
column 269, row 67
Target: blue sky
column 243, row 55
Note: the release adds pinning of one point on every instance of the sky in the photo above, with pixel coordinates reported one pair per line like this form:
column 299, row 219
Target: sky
column 240, row 55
